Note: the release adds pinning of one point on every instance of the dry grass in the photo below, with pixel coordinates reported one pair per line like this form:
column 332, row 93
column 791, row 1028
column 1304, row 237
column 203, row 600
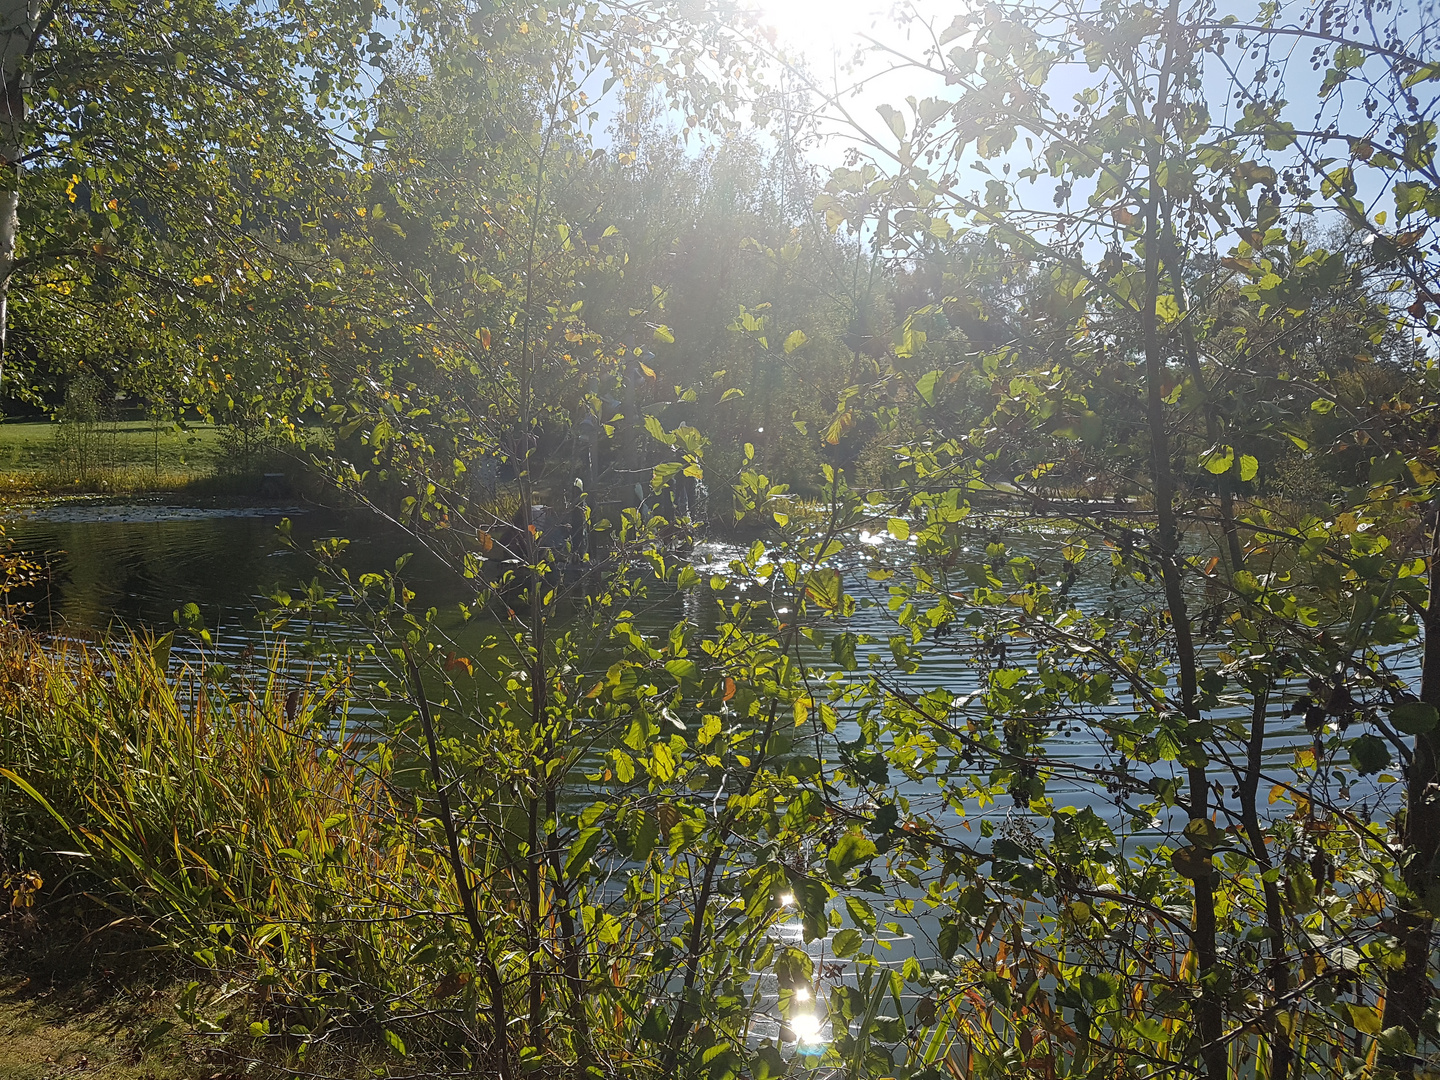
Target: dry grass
column 226, row 824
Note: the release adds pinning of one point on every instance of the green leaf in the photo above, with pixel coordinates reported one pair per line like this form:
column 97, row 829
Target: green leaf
column 1414, row 717
column 683, row 669
column 663, row 333
column 892, row 117
column 899, row 528
column 794, row 341
column 657, row 1025
column 1218, row 459
column 861, row 913
column 1395, row 1040
column 581, row 850
column 852, row 849
column 623, row 764
column 1249, row 467
column 925, row 386
column 847, row 942
column 1365, row 1018
column 949, row 939
column 608, row 929
column 825, row 588
column 1369, row 754
column 1152, row 1030
column 767, row 1064
column 1097, row 986
column 1202, row 833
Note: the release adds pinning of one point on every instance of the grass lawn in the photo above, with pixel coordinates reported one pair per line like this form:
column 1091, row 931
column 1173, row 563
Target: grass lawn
column 125, row 456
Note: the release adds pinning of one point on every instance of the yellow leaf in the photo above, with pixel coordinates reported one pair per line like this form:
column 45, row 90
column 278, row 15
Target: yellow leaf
column 1365, row 1018
column 1422, row 472
column 1369, row 902
column 1167, row 308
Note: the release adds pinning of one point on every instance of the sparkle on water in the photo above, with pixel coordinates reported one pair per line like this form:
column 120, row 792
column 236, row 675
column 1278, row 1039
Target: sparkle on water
column 806, row 1026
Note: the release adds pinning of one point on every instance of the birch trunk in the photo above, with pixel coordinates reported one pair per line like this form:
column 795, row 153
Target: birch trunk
column 19, row 20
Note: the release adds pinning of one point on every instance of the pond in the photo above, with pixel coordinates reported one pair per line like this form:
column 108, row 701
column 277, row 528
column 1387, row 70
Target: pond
column 134, row 564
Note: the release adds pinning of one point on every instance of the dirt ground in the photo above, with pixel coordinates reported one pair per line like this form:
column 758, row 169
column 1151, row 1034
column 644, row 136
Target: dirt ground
column 48, row 1032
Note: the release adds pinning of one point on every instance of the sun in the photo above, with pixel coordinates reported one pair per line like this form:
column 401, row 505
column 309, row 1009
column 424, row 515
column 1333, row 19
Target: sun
column 817, row 29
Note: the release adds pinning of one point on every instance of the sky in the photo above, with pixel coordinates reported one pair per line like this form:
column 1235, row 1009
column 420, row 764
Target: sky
column 827, row 33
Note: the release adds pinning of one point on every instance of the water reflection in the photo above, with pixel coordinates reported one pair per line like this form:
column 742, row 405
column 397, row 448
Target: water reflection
column 135, row 564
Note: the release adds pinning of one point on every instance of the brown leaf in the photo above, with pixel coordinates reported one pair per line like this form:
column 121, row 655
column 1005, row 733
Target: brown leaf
column 1190, row 862
column 450, row 985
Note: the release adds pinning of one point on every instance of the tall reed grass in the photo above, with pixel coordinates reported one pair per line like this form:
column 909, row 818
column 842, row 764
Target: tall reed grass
column 236, row 826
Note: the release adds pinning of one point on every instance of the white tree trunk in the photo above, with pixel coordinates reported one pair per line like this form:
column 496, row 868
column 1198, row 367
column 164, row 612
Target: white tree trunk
column 19, row 21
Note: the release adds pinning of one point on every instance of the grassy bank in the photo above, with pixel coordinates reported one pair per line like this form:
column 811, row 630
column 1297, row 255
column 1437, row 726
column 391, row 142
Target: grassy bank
column 124, row 456
column 133, row 457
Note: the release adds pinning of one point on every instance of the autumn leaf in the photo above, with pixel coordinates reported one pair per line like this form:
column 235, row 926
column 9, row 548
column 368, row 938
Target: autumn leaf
column 450, row 985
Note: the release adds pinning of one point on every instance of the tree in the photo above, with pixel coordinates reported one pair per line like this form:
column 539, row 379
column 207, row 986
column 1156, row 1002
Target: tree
column 146, row 128
column 1172, row 273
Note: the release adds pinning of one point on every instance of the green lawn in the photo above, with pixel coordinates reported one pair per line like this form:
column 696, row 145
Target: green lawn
column 123, row 456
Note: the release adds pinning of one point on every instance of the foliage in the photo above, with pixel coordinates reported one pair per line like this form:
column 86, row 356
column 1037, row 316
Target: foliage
column 1174, row 317
column 233, row 821
column 637, row 808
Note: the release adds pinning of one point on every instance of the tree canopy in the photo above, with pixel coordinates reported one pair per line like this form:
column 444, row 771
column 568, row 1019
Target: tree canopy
column 1058, row 694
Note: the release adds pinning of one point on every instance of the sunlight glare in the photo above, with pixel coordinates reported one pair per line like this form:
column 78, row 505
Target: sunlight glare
column 806, row 1026
column 818, row 28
